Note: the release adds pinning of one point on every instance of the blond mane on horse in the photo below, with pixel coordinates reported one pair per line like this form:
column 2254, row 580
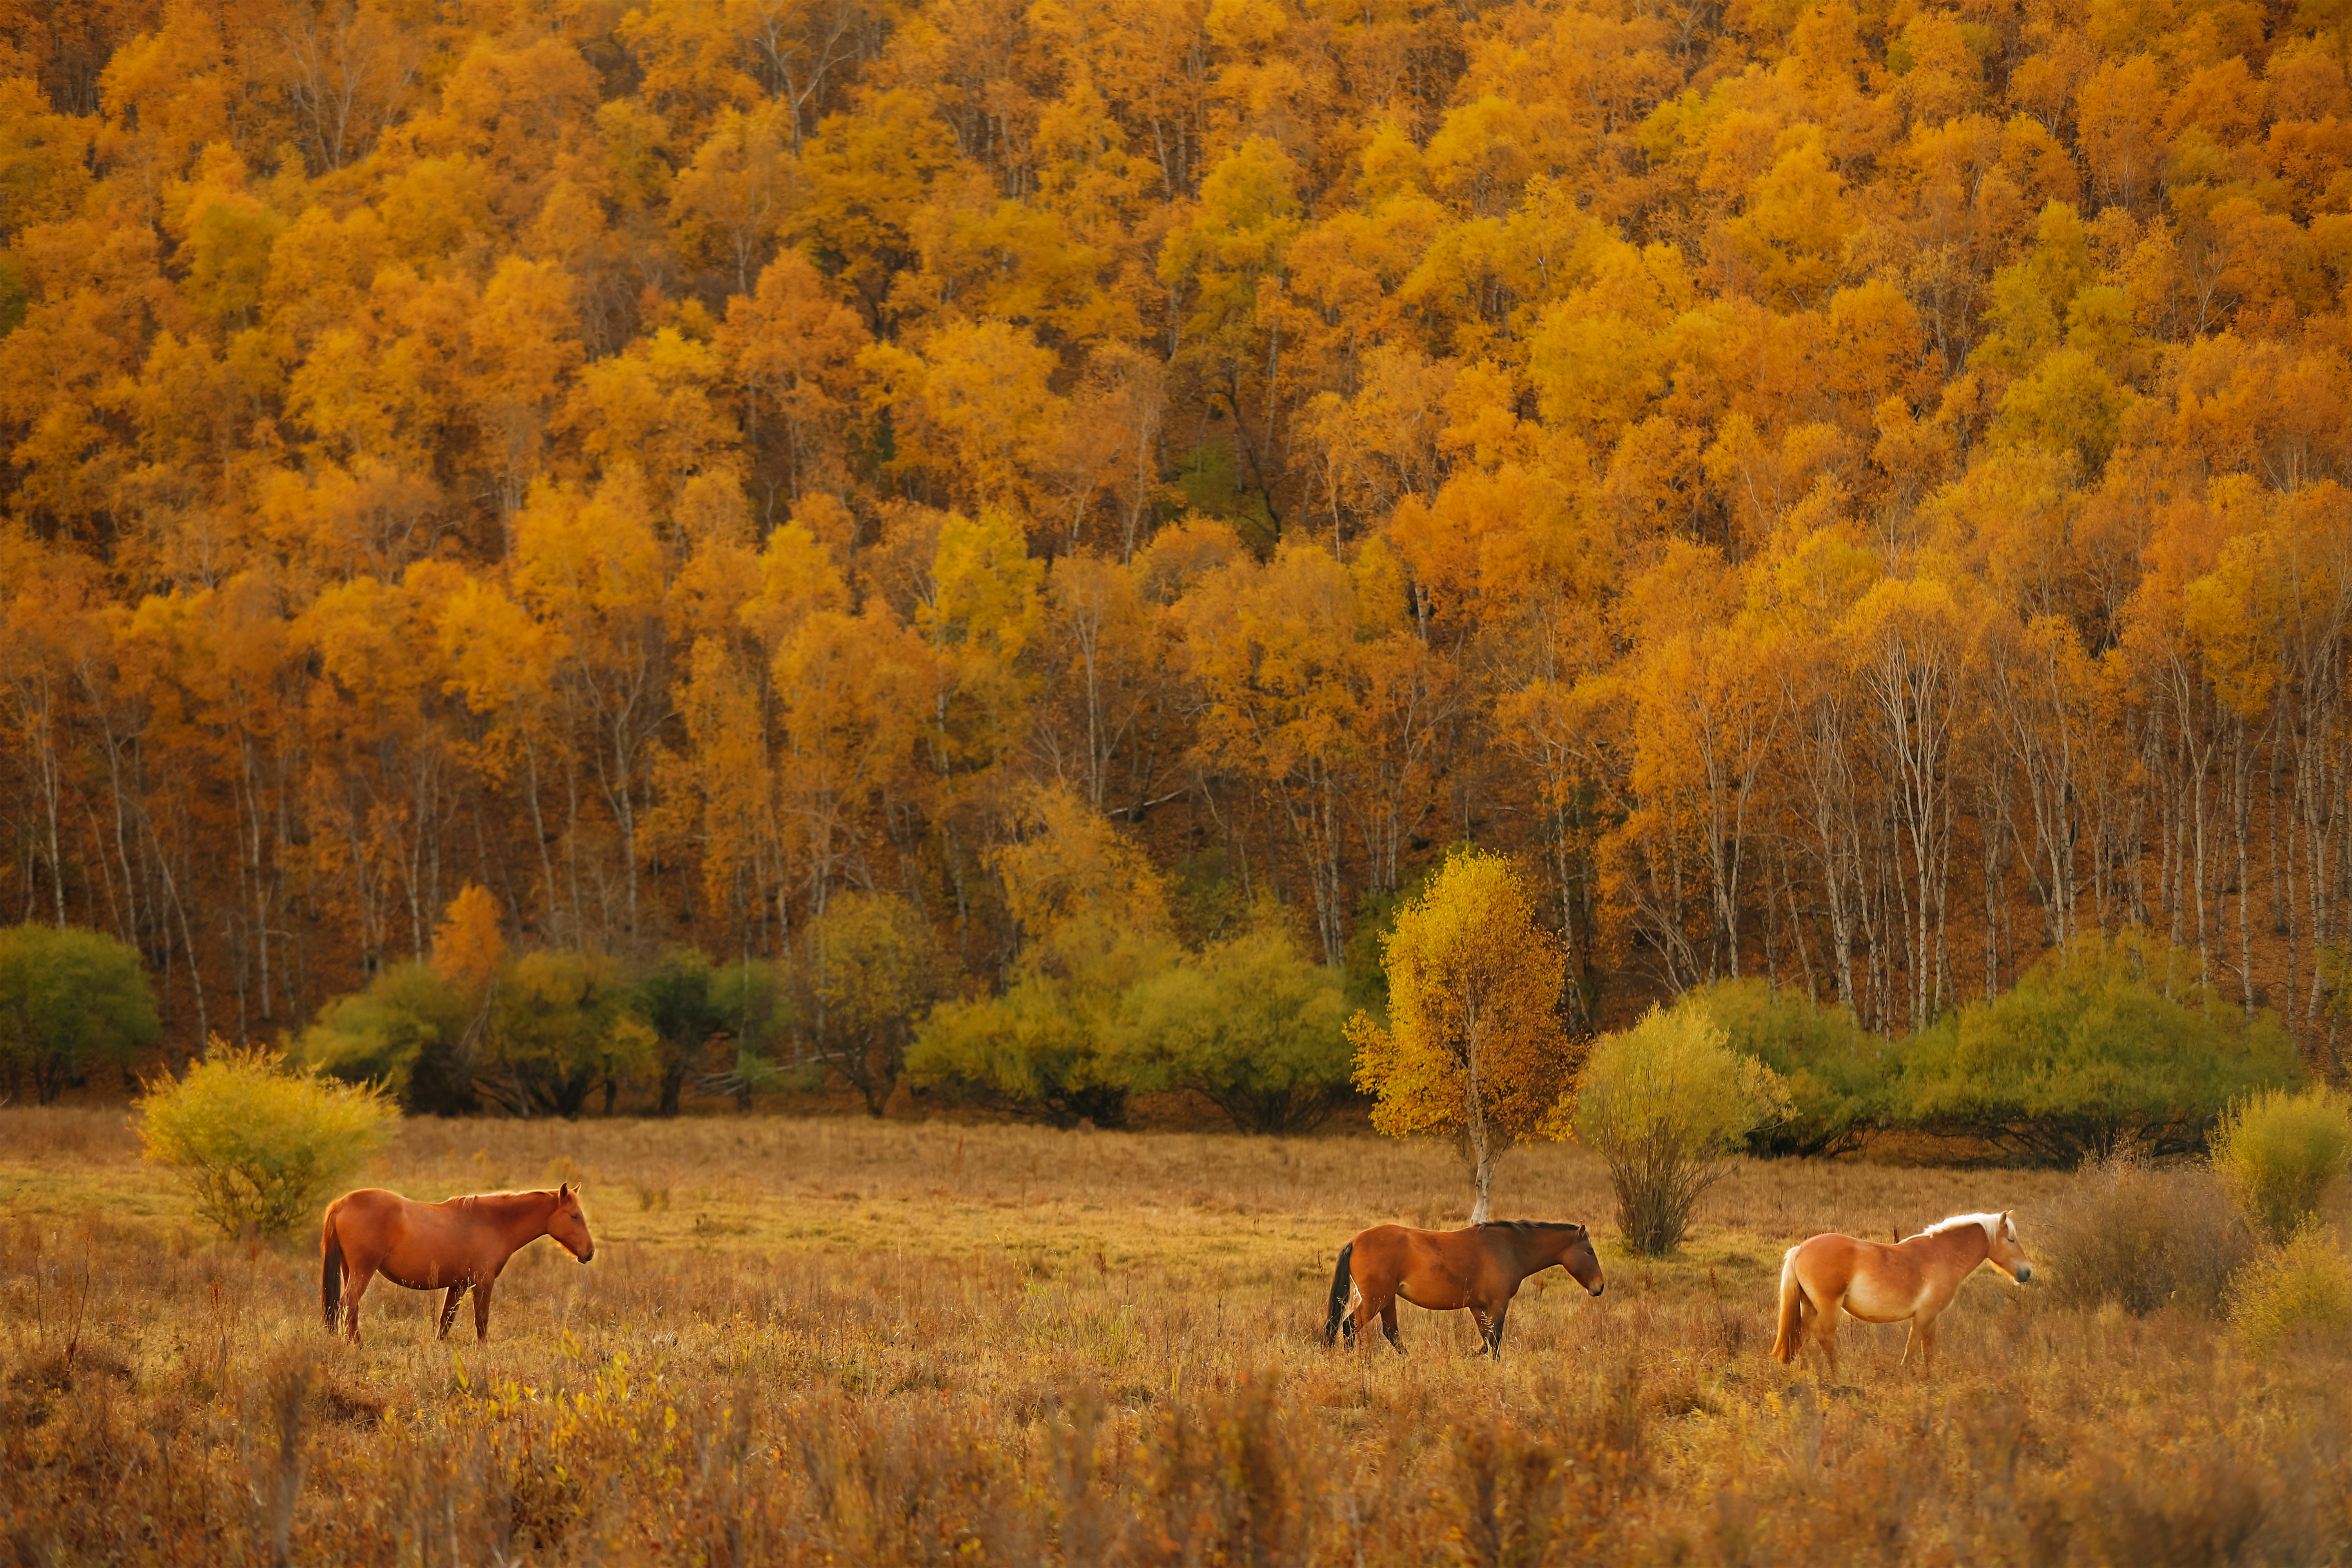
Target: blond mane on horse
column 1912, row 1281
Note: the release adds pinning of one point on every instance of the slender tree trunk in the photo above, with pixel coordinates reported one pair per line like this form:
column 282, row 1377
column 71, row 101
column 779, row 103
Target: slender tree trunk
column 1477, row 1133
column 2241, row 761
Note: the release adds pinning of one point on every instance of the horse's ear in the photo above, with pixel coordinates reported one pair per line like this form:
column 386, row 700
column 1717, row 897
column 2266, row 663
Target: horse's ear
column 564, row 1191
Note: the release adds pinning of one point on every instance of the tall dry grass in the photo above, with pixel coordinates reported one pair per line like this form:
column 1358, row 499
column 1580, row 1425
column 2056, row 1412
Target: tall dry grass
column 851, row 1342
column 2143, row 1236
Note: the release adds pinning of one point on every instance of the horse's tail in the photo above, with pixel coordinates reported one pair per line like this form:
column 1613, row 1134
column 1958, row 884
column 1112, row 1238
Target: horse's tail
column 330, row 1273
column 1342, row 1281
column 1784, row 1344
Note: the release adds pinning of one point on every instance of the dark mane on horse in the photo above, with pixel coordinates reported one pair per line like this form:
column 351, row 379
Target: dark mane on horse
column 1529, row 1224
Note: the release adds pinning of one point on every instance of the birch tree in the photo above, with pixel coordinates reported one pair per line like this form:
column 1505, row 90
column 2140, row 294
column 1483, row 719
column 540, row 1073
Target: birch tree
column 1474, row 1044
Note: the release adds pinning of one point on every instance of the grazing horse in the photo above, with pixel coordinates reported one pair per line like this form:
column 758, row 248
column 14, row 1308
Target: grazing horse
column 1446, row 1270
column 1912, row 1281
column 462, row 1243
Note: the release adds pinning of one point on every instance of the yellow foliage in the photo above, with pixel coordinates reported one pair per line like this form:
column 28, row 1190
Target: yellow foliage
column 258, row 1145
column 1807, row 478
column 467, row 945
column 1472, row 1044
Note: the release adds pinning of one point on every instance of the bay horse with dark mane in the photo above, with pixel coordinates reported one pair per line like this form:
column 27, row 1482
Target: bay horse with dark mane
column 1446, row 1270
column 1912, row 1281
column 461, row 1244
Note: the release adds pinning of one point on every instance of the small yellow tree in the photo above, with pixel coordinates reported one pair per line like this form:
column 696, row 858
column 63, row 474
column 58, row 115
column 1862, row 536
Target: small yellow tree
column 1474, row 1044
column 467, row 945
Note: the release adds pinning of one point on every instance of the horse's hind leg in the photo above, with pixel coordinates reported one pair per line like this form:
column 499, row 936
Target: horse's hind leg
column 1362, row 1308
column 1825, row 1329
column 449, row 1306
column 1388, row 1323
column 355, row 1286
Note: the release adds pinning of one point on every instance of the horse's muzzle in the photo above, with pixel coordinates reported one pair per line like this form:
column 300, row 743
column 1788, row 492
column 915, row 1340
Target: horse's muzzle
column 2024, row 1272
column 1599, row 1286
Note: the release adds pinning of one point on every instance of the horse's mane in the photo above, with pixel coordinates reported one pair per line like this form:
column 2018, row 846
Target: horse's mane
column 1529, row 1224
column 1990, row 1222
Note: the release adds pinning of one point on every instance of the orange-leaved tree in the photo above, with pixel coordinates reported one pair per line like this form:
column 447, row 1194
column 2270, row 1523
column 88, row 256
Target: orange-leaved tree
column 1473, row 1044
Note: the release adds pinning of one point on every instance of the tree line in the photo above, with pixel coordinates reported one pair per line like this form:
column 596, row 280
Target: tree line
column 1852, row 497
column 2106, row 1048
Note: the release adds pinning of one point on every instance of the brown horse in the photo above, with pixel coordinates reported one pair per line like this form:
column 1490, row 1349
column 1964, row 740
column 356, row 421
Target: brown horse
column 462, row 1243
column 1446, row 1270
column 1912, row 1281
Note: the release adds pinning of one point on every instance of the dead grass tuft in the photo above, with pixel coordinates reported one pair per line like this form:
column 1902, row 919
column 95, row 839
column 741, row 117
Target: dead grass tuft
column 2145, row 1236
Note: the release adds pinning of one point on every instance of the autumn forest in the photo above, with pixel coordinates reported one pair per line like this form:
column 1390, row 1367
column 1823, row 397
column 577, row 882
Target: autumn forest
column 1854, row 496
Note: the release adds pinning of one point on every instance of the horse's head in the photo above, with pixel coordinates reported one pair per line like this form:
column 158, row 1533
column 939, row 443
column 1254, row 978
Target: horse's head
column 2003, row 1250
column 569, row 1224
column 1582, row 1262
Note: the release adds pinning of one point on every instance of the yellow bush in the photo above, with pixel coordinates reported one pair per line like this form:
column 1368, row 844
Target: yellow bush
column 2278, row 1153
column 2303, row 1287
column 1667, row 1103
column 259, row 1144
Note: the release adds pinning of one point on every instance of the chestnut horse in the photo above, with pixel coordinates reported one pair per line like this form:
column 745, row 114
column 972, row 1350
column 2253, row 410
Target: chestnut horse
column 462, row 1243
column 1446, row 1270
column 1911, row 1281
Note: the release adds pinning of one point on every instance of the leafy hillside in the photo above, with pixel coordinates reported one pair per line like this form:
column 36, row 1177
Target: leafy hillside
column 1854, row 496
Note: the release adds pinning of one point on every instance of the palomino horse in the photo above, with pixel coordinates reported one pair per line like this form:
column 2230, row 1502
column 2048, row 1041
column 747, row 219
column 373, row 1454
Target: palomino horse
column 462, row 1244
column 1912, row 1281
column 1444, row 1271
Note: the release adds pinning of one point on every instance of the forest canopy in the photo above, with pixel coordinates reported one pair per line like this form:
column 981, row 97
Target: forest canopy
column 1854, row 496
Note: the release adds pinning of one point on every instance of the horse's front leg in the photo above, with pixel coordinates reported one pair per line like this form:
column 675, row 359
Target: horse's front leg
column 1923, row 1331
column 1494, row 1322
column 449, row 1306
column 482, row 1309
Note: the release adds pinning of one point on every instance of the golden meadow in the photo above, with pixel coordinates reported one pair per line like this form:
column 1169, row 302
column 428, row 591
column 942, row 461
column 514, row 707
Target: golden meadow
column 842, row 1341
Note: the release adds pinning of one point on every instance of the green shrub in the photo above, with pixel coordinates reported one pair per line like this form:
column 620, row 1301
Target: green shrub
column 2143, row 1236
column 406, row 1032
column 1040, row 1047
column 1251, row 1024
column 865, row 971
column 256, row 1144
column 1667, row 1103
column 678, row 998
column 2300, row 1290
column 561, row 1022
column 70, row 997
column 2278, row 1153
column 1033, row 1050
column 1838, row 1074
column 755, row 1009
column 2109, row 1044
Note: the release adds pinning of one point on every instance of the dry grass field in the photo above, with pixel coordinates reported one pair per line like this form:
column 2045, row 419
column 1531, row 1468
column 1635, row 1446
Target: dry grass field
column 842, row 1341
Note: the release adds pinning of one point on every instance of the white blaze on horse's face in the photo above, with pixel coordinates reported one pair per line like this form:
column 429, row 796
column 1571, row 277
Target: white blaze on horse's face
column 2007, row 1253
